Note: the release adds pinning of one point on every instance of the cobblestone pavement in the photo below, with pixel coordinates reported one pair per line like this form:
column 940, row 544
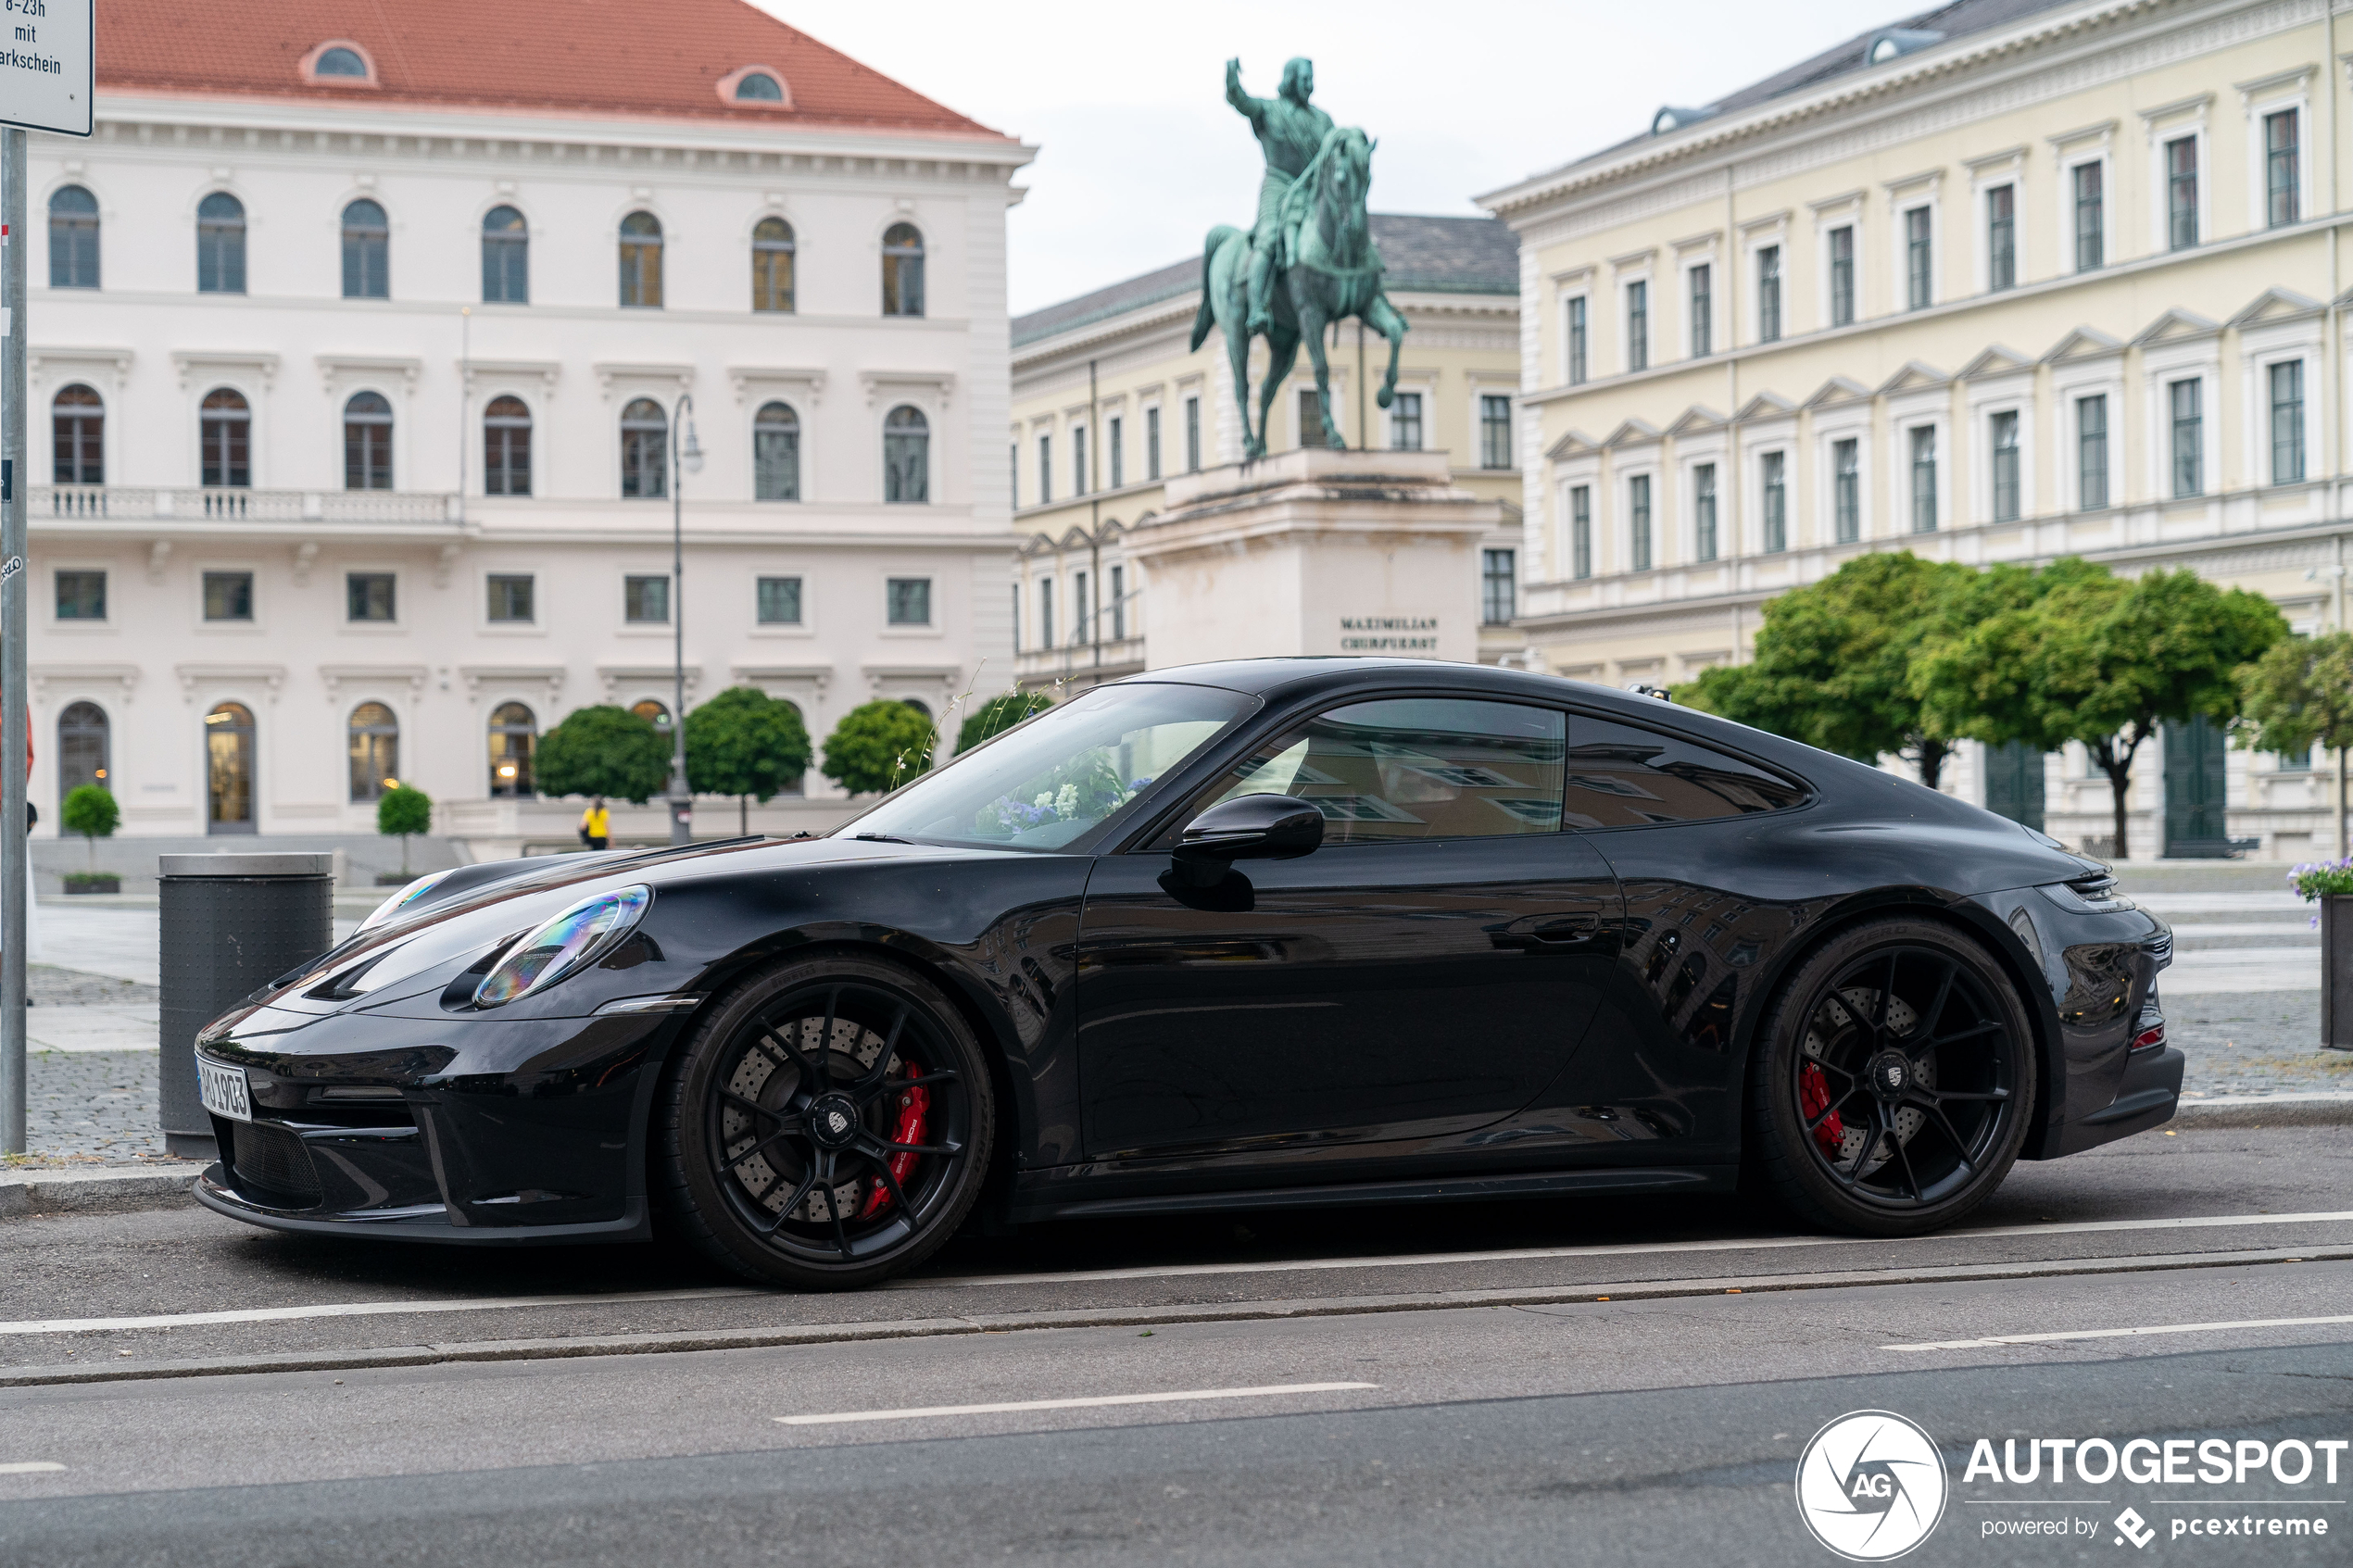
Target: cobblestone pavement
column 86, row 1106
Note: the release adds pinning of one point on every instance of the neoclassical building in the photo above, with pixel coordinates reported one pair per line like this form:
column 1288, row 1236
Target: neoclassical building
column 2002, row 282
column 1109, row 401
column 368, row 366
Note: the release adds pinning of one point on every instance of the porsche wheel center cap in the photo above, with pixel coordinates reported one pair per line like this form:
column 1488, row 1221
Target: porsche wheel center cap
column 1889, row 1074
column 832, row 1121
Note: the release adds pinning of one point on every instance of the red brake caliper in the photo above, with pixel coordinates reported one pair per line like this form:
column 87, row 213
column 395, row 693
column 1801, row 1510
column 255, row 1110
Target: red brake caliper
column 1813, row 1098
column 912, row 1105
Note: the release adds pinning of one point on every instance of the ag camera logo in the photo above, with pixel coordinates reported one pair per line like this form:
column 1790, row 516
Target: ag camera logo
column 1871, row 1486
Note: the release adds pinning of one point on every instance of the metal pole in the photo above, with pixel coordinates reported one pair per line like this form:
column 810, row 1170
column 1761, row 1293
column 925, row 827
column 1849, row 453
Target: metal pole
column 681, row 804
column 1094, row 516
column 16, row 735
column 1363, row 439
column 465, row 380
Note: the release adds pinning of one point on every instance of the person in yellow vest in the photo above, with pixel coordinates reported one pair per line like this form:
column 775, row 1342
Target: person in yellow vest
column 596, row 825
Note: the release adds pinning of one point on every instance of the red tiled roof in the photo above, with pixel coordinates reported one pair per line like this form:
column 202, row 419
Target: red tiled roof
column 609, row 56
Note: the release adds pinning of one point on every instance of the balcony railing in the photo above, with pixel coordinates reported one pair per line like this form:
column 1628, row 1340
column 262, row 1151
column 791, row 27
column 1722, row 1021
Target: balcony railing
column 111, row 503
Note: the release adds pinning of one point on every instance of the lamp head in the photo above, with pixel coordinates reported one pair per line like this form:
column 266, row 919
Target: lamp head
column 691, row 458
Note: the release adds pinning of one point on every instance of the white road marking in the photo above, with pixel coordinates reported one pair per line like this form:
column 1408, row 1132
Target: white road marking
column 365, row 1309
column 1094, row 1403
column 30, row 1467
column 2115, row 1333
column 1630, row 1250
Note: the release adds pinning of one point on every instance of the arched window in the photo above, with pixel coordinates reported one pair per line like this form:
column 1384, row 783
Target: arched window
column 772, row 253
column 513, row 731
column 73, row 239
column 641, row 261
column 921, row 707
column 506, row 258
column 653, row 713
column 220, row 244
column 776, row 453
column 906, row 455
column 367, row 251
column 759, row 87
column 78, row 422
column 340, row 61
column 228, row 745
column 367, row 441
column 86, row 743
column 505, row 447
column 903, row 271
column 225, row 430
column 645, row 450
column 375, row 750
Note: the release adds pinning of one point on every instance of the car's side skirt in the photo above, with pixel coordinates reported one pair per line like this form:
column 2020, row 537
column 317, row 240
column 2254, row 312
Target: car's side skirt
column 1439, row 1189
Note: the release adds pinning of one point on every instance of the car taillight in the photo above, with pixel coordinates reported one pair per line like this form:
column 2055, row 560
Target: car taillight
column 2152, row 1036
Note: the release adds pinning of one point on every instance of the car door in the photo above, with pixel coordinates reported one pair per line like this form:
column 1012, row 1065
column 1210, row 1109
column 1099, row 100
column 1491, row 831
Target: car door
column 1425, row 973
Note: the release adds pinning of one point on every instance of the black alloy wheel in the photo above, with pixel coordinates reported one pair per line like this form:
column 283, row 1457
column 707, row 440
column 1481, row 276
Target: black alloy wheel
column 1893, row 1078
column 826, row 1124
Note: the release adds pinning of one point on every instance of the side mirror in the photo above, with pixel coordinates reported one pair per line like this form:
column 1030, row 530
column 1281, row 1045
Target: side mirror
column 1252, row 827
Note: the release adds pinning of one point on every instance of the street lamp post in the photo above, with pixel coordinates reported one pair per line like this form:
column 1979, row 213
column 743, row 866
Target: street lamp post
column 682, row 803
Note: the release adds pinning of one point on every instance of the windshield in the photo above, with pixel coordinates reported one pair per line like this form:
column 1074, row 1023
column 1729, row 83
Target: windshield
column 1042, row 783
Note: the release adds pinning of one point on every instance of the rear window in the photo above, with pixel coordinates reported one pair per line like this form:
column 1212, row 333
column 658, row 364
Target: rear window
column 1619, row 777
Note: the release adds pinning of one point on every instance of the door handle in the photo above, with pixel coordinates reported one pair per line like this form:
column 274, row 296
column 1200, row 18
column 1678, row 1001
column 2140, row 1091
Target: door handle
column 1568, row 928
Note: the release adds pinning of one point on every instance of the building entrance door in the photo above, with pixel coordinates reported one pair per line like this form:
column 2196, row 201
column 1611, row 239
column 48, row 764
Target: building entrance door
column 2014, row 784
column 228, row 744
column 2194, row 790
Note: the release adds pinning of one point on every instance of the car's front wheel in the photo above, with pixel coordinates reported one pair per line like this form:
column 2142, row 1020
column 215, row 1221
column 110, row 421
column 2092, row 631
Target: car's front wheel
column 827, row 1124
column 1892, row 1080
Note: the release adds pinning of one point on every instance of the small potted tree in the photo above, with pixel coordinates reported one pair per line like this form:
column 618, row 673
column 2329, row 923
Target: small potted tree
column 403, row 810
column 89, row 810
column 2299, row 695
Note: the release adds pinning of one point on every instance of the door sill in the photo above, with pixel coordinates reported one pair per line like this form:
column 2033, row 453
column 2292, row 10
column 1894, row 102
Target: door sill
column 1439, row 1189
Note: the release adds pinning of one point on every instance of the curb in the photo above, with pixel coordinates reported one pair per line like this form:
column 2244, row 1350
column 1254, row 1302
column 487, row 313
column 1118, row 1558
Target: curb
column 121, row 1187
column 2333, row 1109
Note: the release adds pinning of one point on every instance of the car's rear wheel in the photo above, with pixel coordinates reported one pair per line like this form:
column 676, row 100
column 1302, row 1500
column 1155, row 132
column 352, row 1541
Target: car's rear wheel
column 827, row 1124
column 1893, row 1077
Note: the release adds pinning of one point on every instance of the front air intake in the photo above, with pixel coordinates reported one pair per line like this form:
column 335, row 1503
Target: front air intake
column 274, row 1165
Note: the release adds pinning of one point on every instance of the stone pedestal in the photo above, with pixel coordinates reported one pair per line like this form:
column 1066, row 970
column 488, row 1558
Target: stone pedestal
column 1367, row 554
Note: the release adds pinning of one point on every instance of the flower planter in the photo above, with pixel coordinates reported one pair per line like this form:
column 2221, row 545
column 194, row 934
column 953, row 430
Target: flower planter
column 83, row 882
column 2336, row 972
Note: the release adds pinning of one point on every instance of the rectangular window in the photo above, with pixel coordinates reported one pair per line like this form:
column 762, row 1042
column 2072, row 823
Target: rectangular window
column 1499, row 586
column 2001, row 237
column 1045, row 468
column 1082, row 609
column 81, row 595
column 2287, row 422
column 2180, row 193
column 1151, row 444
column 1311, row 418
column 1013, row 454
column 1118, row 456
column 1843, row 276
column 2186, row 400
column 510, row 599
column 1775, row 490
column 1638, row 516
column 1768, row 295
column 1045, row 612
column 1923, row 439
column 2282, row 178
column 1918, row 262
column 2003, row 427
column 1638, row 326
column 1702, row 311
column 1576, row 339
column 1192, row 436
column 228, row 596
column 646, row 600
column 1846, row 489
column 779, row 601
column 1078, row 459
column 1704, row 512
column 2091, row 453
column 2091, row 216
column 1406, row 422
column 908, row 601
column 368, row 596
column 1495, row 430
column 1581, row 532
column 1118, row 603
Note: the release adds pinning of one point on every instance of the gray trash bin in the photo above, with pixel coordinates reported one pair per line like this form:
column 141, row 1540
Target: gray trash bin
column 230, row 923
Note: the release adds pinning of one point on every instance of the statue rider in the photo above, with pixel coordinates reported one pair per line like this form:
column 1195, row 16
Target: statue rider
column 1290, row 130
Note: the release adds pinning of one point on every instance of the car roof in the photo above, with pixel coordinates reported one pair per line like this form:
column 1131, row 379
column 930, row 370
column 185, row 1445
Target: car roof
column 1298, row 674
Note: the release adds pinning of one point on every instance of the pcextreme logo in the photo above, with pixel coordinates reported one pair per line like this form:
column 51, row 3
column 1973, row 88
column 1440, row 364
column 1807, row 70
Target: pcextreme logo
column 1871, row 1486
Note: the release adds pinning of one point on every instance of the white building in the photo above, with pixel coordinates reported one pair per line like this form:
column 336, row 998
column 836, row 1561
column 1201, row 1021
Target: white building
column 354, row 356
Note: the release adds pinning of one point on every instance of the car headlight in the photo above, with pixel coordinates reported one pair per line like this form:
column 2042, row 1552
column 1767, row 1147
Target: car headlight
column 402, row 900
column 2097, row 893
column 563, row 945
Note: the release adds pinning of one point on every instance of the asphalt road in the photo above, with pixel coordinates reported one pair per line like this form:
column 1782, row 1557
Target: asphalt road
column 1445, row 1384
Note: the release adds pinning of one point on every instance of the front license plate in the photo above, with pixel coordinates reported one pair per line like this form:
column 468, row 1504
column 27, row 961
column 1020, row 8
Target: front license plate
column 224, row 1090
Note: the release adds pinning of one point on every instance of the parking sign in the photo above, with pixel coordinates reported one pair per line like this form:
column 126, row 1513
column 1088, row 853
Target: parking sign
column 48, row 65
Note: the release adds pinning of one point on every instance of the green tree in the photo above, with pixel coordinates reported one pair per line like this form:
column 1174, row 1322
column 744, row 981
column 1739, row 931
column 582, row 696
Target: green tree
column 744, row 743
column 877, row 748
column 404, row 810
column 89, row 810
column 2099, row 660
column 1834, row 659
column 2299, row 695
column 603, row 750
column 998, row 714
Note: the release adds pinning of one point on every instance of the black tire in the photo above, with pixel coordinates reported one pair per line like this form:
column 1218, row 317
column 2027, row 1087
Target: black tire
column 1892, row 1082
column 775, row 1158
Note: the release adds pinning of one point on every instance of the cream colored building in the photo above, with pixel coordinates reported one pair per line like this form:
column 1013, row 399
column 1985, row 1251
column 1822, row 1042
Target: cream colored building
column 2002, row 283
column 1109, row 403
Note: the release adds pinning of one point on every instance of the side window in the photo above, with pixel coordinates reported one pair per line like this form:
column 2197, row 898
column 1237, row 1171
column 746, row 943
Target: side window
column 1414, row 767
column 1620, row 776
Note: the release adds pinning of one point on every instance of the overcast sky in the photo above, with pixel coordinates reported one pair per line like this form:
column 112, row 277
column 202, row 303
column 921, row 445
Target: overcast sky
column 1139, row 155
